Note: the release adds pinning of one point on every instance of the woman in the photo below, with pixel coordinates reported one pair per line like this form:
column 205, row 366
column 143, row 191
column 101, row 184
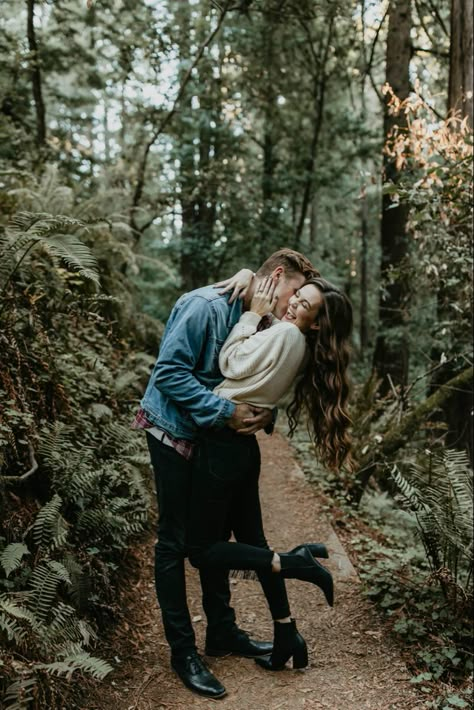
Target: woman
column 260, row 367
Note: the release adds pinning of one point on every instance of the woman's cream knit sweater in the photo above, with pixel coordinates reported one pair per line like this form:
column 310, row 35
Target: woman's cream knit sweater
column 260, row 367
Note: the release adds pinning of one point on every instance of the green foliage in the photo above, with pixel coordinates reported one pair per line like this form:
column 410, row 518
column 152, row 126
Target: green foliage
column 251, row 160
column 50, row 528
column 439, row 489
column 78, row 661
column 438, row 632
column 12, row 555
column 53, row 232
column 65, row 415
column 435, row 158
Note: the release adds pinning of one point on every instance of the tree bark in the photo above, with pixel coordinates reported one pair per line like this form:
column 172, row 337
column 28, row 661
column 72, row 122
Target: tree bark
column 391, row 349
column 461, row 59
column 364, row 235
column 36, row 75
column 457, row 413
column 269, row 157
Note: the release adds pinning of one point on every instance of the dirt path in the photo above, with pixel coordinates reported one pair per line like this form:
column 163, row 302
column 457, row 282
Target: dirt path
column 353, row 665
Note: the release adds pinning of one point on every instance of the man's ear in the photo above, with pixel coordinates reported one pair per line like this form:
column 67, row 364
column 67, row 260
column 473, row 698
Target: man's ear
column 278, row 273
column 314, row 326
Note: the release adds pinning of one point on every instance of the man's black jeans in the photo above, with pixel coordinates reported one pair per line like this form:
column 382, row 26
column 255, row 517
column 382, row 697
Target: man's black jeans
column 173, row 487
column 225, row 492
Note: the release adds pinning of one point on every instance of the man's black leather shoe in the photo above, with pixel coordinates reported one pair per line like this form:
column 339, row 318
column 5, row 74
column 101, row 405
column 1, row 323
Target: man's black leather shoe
column 239, row 644
column 197, row 677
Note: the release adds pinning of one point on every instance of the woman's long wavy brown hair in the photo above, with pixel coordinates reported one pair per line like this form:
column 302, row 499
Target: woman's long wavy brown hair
column 323, row 390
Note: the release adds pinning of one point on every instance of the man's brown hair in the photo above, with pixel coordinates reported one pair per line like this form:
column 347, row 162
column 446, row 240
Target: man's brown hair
column 292, row 262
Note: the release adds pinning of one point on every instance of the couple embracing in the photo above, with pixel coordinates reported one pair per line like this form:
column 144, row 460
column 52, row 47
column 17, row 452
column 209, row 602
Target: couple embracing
column 225, row 362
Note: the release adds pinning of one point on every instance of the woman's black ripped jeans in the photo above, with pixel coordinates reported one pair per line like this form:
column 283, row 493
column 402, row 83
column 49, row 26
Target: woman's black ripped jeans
column 225, row 497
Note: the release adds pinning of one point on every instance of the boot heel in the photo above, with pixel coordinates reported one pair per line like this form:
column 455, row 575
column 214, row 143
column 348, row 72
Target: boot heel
column 287, row 643
column 300, row 657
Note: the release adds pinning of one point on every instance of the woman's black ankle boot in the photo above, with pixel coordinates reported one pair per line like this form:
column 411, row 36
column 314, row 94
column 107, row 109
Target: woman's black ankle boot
column 287, row 643
column 302, row 565
column 317, row 549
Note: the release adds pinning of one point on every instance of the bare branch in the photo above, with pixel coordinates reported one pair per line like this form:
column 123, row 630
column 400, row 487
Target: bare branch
column 419, row 11
column 375, row 88
column 368, row 67
column 24, row 476
column 438, row 17
column 430, row 51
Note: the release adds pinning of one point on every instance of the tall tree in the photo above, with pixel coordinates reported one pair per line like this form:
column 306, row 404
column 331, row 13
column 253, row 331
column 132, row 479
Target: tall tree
column 391, row 350
column 36, row 78
column 460, row 92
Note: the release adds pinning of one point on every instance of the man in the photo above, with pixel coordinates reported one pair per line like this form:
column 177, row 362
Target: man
column 177, row 402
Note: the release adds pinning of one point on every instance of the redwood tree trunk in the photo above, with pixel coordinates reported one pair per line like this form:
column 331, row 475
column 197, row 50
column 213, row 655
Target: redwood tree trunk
column 457, row 413
column 364, row 234
column 391, row 349
column 268, row 221
column 36, row 75
column 461, row 59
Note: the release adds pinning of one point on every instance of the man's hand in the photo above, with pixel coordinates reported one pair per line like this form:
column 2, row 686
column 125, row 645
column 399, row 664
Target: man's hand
column 248, row 420
column 238, row 284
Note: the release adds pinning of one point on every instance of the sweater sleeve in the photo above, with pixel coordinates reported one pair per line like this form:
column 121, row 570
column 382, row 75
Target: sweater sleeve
column 248, row 353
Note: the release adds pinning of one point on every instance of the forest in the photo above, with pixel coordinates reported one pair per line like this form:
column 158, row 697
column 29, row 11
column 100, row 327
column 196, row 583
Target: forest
column 151, row 147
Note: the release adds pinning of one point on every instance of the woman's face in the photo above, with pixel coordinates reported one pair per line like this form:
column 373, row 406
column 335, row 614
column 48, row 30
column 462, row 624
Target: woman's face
column 303, row 307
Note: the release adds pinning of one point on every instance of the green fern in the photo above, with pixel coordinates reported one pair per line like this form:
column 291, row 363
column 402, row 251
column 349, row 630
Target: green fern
column 12, row 556
column 80, row 581
column 48, row 193
column 12, row 630
column 65, row 628
column 50, row 529
column 44, row 583
column 9, row 604
column 55, row 233
column 83, row 661
column 440, row 492
column 19, row 694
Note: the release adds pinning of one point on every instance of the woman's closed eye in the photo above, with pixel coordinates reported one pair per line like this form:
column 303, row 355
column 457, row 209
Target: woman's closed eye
column 303, row 302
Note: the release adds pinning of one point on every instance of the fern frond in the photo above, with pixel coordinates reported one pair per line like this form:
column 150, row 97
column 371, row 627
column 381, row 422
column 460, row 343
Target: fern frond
column 55, row 233
column 408, row 491
column 19, row 612
column 74, row 253
column 97, row 523
column 439, row 490
column 54, row 444
column 12, row 630
column 50, row 529
column 12, row 556
column 19, row 694
column 80, row 581
column 84, row 662
column 44, row 583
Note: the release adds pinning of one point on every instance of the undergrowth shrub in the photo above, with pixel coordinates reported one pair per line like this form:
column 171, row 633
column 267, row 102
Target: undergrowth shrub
column 73, row 476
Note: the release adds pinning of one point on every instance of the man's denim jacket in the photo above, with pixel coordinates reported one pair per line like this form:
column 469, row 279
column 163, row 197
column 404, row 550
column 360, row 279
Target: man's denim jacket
column 179, row 397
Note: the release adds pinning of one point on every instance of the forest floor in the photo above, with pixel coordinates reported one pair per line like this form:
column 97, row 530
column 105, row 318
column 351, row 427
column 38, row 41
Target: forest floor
column 355, row 663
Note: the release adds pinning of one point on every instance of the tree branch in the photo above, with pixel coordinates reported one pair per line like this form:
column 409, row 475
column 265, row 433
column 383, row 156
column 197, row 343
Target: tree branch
column 24, row 476
column 430, row 51
column 368, row 66
column 438, row 17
